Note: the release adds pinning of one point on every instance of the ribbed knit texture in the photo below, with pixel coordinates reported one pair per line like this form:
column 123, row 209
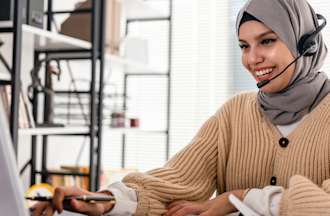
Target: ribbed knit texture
column 304, row 198
column 238, row 148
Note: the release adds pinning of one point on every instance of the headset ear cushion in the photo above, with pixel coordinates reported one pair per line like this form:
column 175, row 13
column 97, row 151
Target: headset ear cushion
column 306, row 42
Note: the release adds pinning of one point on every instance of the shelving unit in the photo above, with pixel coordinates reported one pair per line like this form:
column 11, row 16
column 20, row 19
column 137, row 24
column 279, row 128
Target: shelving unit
column 54, row 131
column 52, row 51
column 51, row 46
column 47, row 42
column 80, row 131
column 56, row 44
column 16, row 29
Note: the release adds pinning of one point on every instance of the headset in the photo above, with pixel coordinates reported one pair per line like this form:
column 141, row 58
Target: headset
column 308, row 41
column 307, row 46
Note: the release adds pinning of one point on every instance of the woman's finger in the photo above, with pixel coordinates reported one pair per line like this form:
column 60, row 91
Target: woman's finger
column 175, row 203
column 39, row 208
column 87, row 208
column 174, row 207
column 184, row 208
column 61, row 192
column 58, row 198
column 49, row 211
column 207, row 213
column 191, row 209
column 173, row 210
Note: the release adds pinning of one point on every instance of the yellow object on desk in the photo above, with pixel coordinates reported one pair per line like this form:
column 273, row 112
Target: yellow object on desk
column 42, row 189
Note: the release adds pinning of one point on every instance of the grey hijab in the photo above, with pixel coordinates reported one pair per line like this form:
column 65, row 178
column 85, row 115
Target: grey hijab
column 290, row 19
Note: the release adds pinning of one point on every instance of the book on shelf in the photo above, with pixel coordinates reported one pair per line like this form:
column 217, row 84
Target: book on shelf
column 70, row 180
column 28, row 110
column 25, row 115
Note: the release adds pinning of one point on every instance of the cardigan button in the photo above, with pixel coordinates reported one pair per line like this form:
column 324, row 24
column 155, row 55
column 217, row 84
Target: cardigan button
column 273, row 180
column 284, row 142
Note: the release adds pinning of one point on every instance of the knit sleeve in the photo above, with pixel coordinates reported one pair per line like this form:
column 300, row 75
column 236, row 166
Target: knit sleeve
column 303, row 197
column 190, row 175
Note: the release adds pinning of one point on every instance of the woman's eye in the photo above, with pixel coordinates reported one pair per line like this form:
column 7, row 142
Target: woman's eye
column 268, row 41
column 243, row 46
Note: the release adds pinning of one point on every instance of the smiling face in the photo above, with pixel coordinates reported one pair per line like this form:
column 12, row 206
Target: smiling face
column 264, row 55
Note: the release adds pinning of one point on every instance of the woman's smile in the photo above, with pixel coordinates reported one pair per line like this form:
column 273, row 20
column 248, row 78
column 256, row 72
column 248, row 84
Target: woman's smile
column 264, row 73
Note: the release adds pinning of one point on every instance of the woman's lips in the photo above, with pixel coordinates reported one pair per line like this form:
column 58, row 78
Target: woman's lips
column 265, row 77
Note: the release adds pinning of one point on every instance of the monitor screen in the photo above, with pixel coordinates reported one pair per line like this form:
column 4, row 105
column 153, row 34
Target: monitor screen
column 11, row 190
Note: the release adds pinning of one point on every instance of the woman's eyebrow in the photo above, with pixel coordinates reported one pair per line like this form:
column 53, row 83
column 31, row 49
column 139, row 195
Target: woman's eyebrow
column 259, row 36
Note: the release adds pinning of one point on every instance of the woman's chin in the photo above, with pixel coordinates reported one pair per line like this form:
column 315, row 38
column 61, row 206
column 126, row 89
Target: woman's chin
column 269, row 88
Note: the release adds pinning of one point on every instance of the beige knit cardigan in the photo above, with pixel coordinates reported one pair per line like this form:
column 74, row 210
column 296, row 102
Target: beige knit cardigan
column 238, row 148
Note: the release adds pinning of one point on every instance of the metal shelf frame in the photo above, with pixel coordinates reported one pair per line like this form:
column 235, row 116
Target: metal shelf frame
column 15, row 70
column 96, row 56
column 6, row 30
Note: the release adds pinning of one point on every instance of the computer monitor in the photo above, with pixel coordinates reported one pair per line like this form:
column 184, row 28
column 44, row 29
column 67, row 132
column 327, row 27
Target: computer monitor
column 11, row 190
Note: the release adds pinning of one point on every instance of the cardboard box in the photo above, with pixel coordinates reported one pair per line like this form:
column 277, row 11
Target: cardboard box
column 79, row 25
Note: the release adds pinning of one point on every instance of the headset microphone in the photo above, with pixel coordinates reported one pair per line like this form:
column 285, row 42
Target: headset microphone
column 307, row 46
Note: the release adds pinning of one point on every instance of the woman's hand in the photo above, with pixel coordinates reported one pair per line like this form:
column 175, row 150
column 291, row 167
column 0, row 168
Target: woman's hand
column 180, row 208
column 91, row 209
column 221, row 205
column 218, row 206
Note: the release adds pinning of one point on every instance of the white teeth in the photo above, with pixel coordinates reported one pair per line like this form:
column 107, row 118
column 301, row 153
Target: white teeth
column 264, row 72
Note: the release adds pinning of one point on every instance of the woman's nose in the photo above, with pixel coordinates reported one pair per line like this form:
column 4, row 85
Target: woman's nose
column 255, row 56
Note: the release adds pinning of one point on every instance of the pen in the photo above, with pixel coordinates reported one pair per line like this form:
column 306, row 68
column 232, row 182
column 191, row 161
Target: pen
column 85, row 198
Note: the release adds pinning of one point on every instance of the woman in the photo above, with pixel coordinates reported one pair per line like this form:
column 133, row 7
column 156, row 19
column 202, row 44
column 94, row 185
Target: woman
column 270, row 149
